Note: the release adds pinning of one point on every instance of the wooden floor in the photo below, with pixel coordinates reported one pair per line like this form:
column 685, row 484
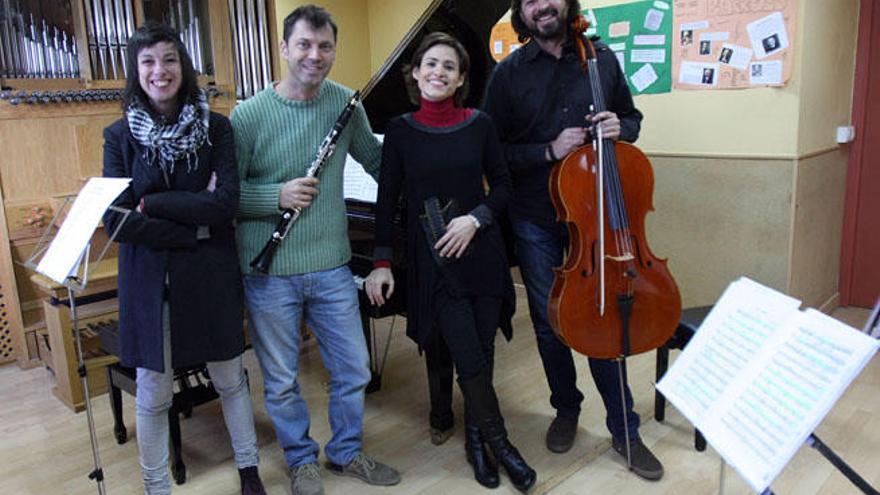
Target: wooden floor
column 45, row 447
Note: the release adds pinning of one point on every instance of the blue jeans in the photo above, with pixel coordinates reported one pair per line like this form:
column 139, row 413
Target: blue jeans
column 154, row 397
column 327, row 300
column 539, row 249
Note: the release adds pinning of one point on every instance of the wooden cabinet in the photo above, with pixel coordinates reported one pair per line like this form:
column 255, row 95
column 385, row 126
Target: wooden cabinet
column 96, row 305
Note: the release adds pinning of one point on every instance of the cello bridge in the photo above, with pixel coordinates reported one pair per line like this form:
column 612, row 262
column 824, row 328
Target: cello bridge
column 623, row 258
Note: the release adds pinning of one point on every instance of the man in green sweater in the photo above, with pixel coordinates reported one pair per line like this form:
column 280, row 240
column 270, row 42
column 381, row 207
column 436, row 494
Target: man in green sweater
column 277, row 133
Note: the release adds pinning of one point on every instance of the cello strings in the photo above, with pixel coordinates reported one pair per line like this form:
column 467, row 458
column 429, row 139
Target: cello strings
column 616, row 201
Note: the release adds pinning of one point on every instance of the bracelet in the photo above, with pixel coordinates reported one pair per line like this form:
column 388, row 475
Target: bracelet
column 550, row 152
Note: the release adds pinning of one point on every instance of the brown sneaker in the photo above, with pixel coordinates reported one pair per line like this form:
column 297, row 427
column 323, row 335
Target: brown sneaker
column 560, row 435
column 642, row 461
column 367, row 469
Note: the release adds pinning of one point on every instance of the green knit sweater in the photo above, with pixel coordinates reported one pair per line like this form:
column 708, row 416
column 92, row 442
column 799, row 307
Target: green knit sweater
column 276, row 140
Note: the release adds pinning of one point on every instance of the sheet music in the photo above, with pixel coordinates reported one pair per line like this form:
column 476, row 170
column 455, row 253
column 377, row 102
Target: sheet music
column 63, row 256
column 787, row 392
column 357, row 183
column 742, row 321
column 778, row 390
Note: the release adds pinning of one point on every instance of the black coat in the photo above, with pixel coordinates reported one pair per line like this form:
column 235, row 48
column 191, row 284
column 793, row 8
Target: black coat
column 204, row 291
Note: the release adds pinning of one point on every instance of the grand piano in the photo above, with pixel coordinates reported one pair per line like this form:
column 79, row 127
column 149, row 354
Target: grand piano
column 470, row 21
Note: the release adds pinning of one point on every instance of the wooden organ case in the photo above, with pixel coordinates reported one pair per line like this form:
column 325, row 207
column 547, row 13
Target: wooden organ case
column 61, row 78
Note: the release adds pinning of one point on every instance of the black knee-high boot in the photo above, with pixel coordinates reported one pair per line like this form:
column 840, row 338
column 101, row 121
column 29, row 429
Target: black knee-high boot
column 483, row 406
column 485, row 471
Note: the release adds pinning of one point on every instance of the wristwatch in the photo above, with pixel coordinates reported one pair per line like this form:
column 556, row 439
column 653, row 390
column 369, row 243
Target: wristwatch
column 475, row 220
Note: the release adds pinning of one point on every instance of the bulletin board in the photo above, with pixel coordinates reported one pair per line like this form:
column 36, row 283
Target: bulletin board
column 639, row 35
column 502, row 41
column 731, row 44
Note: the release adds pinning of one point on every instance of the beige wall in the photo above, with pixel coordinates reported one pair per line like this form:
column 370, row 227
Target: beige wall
column 717, row 219
column 389, row 22
column 817, row 225
column 352, row 66
column 826, row 67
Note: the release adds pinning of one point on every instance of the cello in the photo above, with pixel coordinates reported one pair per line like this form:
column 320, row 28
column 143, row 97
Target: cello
column 611, row 297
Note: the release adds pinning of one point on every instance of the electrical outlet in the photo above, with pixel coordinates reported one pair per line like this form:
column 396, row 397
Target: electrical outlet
column 845, row 134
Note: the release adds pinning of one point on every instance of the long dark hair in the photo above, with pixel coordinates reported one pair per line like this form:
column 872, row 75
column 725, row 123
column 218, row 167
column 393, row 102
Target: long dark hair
column 146, row 36
column 522, row 31
column 429, row 41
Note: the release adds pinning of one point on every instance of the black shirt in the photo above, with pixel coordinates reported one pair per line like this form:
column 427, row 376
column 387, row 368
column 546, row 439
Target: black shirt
column 532, row 96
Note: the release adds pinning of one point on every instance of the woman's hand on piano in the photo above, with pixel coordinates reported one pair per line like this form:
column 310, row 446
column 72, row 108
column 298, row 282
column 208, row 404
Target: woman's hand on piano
column 459, row 233
column 379, row 278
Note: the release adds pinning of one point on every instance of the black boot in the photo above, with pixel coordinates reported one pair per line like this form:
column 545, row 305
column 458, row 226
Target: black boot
column 480, row 394
column 250, row 481
column 485, row 471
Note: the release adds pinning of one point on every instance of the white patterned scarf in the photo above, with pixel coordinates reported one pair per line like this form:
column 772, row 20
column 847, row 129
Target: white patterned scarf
column 165, row 143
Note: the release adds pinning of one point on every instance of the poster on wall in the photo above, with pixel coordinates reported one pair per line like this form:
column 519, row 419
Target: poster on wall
column 727, row 44
column 639, row 35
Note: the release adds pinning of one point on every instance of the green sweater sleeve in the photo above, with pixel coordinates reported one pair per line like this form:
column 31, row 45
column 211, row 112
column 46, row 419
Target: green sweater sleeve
column 256, row 199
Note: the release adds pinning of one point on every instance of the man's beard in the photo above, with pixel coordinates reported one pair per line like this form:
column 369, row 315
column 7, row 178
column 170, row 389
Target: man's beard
column 550, row 32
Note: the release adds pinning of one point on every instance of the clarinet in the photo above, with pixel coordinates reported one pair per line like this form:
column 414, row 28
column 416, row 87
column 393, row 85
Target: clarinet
column 289, row 216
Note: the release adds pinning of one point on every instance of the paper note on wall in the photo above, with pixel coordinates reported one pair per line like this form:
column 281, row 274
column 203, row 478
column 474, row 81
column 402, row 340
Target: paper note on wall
column 648, row 56
column 653, row 19
column 769, row 72
column 644, row 77
column 618, row 29
column 768, row 35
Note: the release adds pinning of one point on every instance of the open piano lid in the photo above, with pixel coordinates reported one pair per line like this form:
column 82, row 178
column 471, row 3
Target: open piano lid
column 470, row 21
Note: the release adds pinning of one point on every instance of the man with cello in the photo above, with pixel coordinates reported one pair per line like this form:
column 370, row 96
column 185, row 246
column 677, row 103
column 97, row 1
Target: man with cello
column 540, row 100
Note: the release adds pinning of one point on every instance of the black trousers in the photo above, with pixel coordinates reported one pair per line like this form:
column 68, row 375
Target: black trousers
column 464, row 340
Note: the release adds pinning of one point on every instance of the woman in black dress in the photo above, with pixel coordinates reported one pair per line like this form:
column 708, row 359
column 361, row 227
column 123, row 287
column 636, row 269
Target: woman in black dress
column 458, row 279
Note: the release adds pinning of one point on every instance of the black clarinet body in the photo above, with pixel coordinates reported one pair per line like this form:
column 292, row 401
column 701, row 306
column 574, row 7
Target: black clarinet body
column 263, row 262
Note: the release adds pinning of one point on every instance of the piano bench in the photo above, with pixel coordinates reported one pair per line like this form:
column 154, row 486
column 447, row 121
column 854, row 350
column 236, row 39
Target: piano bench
column 691, row 319
column 189, row 395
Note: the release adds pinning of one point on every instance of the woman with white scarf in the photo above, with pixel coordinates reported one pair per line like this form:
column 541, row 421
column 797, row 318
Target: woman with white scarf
column 180, row 290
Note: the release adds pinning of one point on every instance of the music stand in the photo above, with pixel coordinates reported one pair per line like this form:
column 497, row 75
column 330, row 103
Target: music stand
column 872, row 329
column 76, row 281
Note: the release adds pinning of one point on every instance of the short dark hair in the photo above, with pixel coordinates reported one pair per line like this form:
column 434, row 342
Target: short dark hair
column 429, row 41
column 317, row 16
column 522, row 31
column 149, row 34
